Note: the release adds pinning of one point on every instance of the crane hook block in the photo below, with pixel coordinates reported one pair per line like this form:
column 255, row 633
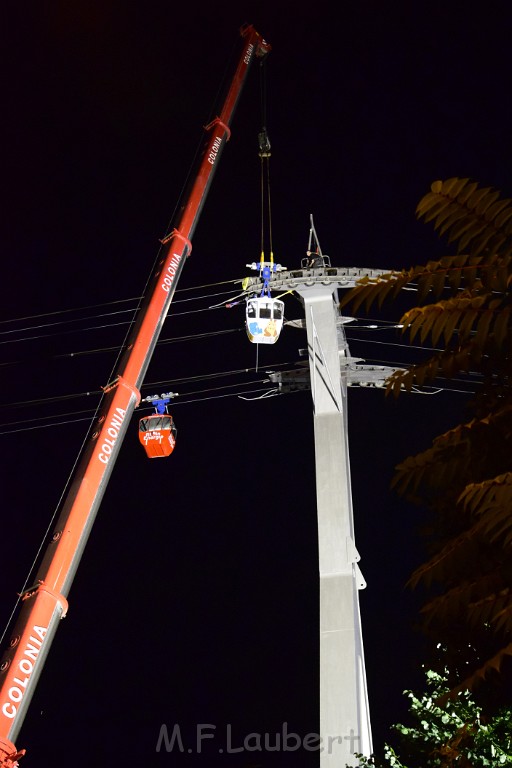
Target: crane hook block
column 264, row 143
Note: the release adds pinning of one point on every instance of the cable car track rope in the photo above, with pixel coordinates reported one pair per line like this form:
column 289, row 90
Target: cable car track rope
column 356, row 334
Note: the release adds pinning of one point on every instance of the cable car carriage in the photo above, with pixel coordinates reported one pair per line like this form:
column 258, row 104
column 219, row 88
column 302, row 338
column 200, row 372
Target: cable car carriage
column 264, row 319
column 264, row 315
column 157, row 432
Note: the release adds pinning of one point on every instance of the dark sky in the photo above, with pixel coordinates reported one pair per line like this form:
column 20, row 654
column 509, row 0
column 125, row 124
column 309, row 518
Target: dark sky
column 196, row 600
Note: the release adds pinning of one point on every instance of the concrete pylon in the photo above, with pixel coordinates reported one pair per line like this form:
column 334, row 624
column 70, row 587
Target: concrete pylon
column 344, row 712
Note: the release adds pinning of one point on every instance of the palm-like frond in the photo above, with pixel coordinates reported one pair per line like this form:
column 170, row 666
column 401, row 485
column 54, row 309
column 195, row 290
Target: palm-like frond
column 459, row 318
column 472, row 216
column 463, row 305
column 491, row 503
column 477, row 314
column 472, row 450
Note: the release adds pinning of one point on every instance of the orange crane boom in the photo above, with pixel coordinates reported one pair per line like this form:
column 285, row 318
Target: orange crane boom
column 45, row 603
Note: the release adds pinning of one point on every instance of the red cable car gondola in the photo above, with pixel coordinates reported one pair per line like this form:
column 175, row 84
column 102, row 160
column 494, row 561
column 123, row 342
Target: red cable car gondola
column 157, row 433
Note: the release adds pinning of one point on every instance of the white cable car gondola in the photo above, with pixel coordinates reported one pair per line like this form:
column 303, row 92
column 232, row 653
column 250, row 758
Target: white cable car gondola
column 264, row 319
column 264, row 316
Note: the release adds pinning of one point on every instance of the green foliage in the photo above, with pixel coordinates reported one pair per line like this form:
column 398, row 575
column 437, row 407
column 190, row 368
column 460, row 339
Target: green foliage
column 450, row 735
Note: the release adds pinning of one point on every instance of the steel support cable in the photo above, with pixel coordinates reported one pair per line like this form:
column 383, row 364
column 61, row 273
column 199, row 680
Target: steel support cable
column 27, row 425
column 110, row 303
column 181, row 339
column 241, row 394
column 175, row 340
column 160, row 341
column 63, row 322
column 66, row 311
column 137, row 299
column 402, row 346
column 352, row 338
column 132, row 309
column 105, row 325
column 98, row 315
column 191, row 379
column 147, row 385
column 97, row 328
column 99, row 350
column 191, row 337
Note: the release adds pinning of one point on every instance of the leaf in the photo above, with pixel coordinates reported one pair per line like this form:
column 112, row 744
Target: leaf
column 481, row 242
column 426, row 203
column 467, row 191
column 496, row 208
column 501, row 326
column 503, row 217
column 460, row 227
column 445, row 218
column 467, row 323
column 439, row 282
column 368, row 289
column 475, row 229
column 463, row 478
column 430, row 316
column 486, row 201
column 477, row 196
column 449, row 325
column 452, row 187
column 438, row 326
column 424, row 285
column 418, row 318
column 436, row 208
column 482, row 328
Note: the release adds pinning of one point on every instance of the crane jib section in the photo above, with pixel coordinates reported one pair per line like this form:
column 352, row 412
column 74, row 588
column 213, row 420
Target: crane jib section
column 45, row 603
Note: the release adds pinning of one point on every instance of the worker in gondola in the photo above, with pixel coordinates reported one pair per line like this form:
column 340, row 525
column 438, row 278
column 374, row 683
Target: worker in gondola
column 314, row 259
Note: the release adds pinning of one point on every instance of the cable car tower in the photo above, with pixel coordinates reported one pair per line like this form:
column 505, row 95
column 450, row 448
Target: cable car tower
column 345, row 727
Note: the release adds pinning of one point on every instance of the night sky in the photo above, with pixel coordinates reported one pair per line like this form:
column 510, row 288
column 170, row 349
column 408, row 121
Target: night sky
column 196, row 599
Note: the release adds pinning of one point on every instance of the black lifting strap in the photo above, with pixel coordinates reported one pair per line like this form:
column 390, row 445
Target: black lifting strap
column 264, row 154
column 264, row 143
column 263, row 139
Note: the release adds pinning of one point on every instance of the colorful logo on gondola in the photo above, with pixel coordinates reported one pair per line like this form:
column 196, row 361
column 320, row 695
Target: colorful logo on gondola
column 270, row 329
column 156, row 435
column 24, row 671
